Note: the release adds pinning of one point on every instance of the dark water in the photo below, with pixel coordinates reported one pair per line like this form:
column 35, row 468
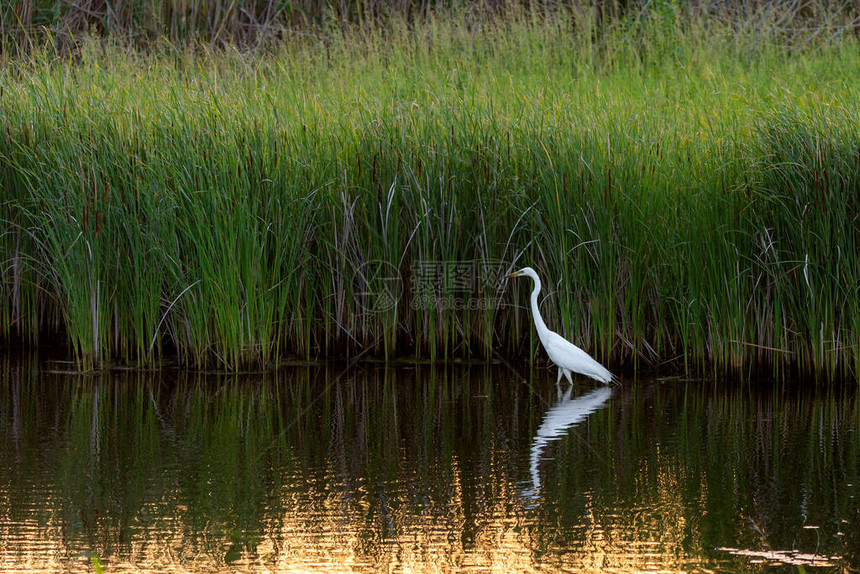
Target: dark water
column 422, row 469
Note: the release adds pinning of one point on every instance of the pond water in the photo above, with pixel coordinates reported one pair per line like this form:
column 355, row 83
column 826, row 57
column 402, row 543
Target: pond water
column 338, row 468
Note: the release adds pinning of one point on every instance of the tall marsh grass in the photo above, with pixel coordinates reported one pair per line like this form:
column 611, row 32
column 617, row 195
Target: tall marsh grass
column 689, row 193
column 24, row 24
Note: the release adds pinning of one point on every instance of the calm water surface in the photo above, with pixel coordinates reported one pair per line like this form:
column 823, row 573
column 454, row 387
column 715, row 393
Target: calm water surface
column 328, row 469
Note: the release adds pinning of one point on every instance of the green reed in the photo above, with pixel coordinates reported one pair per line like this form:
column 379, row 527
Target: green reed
column 686, row 191
column 255, row 23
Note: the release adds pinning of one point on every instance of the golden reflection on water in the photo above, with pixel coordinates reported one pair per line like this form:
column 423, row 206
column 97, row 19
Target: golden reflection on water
column 334, row 541
column 500, row 545
column 341, row 532
column 394, row 478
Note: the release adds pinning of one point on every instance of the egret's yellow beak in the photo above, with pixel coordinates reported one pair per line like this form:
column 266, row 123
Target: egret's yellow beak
column 514, row 274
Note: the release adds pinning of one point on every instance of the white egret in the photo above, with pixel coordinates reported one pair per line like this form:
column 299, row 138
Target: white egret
column 567, row 357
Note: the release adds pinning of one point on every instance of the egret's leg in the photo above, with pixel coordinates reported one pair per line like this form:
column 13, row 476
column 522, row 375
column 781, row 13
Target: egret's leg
column 558, row 384
column 569, row 378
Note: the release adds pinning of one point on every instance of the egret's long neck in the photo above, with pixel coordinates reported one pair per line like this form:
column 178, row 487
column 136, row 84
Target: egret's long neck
column 539, row 324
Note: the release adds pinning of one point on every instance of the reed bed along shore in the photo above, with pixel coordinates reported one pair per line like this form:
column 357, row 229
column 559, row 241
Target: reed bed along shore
column 689, row 193
column 24, row 24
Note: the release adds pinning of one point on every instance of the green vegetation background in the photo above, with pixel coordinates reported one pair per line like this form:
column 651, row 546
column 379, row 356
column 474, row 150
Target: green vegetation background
column 687, row 182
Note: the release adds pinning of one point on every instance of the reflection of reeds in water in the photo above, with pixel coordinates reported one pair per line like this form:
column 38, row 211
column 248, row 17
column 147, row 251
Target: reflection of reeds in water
column 220, row 207
column 411, row 467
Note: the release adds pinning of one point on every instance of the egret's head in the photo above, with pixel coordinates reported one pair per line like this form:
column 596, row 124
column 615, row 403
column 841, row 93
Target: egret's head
column 525, row 271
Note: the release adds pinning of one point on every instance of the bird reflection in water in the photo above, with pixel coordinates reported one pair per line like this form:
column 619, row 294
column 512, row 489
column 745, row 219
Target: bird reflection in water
column 560, row 417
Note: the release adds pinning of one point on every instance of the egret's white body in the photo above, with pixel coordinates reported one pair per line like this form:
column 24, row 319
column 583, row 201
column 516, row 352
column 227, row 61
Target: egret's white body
column 565, row 355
